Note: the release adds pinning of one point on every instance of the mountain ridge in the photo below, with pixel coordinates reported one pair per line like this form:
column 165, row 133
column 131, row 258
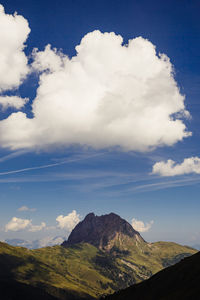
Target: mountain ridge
column 103, row 232
column 81, row 270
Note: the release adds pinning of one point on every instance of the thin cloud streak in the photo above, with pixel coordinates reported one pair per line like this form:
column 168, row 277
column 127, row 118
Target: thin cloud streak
column 123, row 186
column 112, row 177
column 164, row 185
column 50, row 165
column 104, row 182
column 12, row 155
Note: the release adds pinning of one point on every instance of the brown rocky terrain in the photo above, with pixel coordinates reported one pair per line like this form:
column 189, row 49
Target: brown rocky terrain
column 103, row 232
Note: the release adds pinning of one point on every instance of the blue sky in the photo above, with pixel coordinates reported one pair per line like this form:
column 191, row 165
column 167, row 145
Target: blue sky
column 100, row 122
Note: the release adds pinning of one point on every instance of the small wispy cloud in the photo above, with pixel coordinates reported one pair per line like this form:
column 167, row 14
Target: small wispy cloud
column 26, row 208
column 34, row 228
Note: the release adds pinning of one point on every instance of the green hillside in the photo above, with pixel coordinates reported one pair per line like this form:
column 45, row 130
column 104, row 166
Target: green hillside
column 83, row 271
column 180, row 281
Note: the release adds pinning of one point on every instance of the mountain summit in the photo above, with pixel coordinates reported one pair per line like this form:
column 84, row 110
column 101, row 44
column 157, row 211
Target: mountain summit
column 104, row 232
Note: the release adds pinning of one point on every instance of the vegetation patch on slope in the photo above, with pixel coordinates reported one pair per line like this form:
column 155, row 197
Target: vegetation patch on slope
column 82, row 271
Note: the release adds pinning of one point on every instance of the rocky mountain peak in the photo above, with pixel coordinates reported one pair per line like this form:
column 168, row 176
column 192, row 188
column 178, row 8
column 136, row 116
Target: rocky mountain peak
column 102, row 231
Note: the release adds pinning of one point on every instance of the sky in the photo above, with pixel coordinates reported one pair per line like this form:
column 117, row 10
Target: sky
column 99, row 112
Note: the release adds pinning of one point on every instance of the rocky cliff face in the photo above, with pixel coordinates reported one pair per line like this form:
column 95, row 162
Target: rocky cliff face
column 104, row 232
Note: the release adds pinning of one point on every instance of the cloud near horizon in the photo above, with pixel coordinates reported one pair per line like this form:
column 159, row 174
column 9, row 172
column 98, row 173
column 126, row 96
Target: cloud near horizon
column 17, row 224
column 141, row 226
column 69, row 221
column 108, row 95
column 171, row 168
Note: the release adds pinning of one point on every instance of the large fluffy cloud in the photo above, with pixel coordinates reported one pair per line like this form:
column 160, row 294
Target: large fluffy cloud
column 108, row 95
column 17, row 224
column 13, row 34
column 141, row 226
column 170, row 168
column 68, row 222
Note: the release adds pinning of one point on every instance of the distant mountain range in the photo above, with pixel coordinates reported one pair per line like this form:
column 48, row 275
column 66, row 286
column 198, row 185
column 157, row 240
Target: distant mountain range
column 102, row 255
column 45, row 242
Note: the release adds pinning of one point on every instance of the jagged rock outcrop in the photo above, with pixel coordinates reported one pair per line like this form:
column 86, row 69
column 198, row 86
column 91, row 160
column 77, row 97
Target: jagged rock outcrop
column 104, row 232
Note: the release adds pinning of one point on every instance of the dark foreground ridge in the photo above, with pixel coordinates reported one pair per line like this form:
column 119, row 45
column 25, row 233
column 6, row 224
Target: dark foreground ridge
column 100, row 230
column 13, row 290
column 178, row 282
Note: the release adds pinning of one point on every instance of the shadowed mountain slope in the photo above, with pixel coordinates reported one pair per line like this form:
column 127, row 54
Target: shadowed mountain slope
column 13, row 290
column 178, row 282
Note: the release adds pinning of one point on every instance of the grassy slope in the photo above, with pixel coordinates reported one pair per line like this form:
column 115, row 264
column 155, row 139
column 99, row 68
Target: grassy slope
column 180, row 281
column 84, row 270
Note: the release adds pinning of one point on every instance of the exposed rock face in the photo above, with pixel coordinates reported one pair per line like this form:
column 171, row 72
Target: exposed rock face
column 103, row 232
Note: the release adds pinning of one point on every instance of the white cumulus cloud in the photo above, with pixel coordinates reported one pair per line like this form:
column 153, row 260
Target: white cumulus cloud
column 171, row 168
column 48, row 60
column 13, row 61
column 12, row 101
column 17, row 224
column 109, row 94
column 68, row 222
column 141, row 226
